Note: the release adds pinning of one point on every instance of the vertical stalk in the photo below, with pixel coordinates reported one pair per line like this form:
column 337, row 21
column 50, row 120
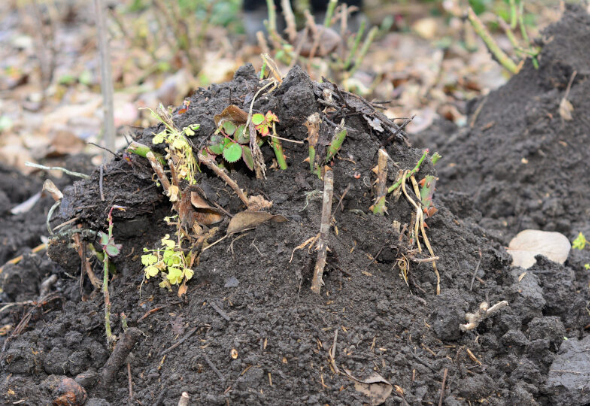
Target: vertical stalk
column 106, row 79
column 318, row 272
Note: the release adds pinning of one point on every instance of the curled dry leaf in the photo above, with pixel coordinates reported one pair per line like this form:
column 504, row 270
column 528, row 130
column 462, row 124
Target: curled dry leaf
column 529, row 243
column 49, row 187
column 231, row 113
column 258, row 203
column 565, row 109
column 248, row 220
column 206, row 215
column 375, row 387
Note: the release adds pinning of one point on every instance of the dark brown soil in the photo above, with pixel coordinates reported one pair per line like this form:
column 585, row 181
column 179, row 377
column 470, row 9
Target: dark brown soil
column 248, row 296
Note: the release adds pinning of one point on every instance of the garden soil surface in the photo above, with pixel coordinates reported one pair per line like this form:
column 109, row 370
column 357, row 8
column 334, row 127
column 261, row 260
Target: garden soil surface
column 250, row 331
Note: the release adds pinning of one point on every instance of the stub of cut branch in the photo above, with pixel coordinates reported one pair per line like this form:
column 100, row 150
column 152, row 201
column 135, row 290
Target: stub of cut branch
column 157, row 167
column 379, row 207
column 318, row 272
column 484, row 311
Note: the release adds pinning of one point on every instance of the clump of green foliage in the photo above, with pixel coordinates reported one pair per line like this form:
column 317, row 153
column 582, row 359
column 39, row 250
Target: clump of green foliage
column 231, row 142
column 580, row 242
column 178, row 144
column 169, row 261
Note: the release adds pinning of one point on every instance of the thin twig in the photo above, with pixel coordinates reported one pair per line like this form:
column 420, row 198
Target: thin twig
column 475, row 272
column 182, row 340
column 213, row 367
column 58, row 168
column 219, row 310
column 130, row 382
column 106, row 84
column 100, row 182
column 442, row 391
column 289, row 19
column 318, row 271
column 209, row 162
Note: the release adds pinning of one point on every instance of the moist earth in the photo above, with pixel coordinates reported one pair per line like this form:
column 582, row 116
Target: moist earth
column 250, row 331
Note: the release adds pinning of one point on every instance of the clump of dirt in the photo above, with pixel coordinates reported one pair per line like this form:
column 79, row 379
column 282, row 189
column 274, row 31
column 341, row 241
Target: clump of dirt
column 521, row 162
column 250, row 331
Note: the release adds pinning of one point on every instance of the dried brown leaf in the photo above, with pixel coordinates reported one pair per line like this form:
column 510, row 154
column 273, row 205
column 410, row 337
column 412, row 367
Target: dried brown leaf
column 375, row 387
column 530, row 243
column 248, row 220
column 231, row 113
column 565, row 109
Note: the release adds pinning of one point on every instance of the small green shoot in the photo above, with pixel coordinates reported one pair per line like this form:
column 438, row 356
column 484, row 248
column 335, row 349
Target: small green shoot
column 337, row 140
column 580, row 242
column 587, row 266
column 110, row 249
column 170, row 262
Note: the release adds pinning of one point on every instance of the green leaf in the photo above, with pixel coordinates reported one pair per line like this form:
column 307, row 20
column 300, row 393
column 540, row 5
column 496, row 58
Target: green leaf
column 167, row 242
column 188, row 273
column 174, row 275
column 188, row 131
column 179, row 144
column 258, row 119
column 149, row 259
column 159, row 138
column 248, row 159
column 232, row 152
column 580, row 242
column 229, row 127
column 240, row 136
column 195, row 127
column 104, row 238
column 112, row 250
column 151, row 271
column 216, row 144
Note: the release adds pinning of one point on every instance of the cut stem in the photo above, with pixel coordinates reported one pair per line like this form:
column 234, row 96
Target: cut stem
column 493, row 47
column 379, row 207
column 278, row 148
column 337, row 140
column 142, row 150
column 318, row 272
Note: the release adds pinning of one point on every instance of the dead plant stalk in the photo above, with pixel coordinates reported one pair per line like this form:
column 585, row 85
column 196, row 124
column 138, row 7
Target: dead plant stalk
column 318, row 271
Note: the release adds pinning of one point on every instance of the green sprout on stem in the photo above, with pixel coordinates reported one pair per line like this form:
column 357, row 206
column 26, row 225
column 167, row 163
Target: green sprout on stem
column 263, row 124
column 337, row 140
column 580, row 242
column 170, row 262
column 110, row 250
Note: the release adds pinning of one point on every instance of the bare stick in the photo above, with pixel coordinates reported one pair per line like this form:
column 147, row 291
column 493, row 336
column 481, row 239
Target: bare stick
column 219, row 310
column 80, row 246
column 130, row 381
column 184, row 399
column 120, row 353
column 484, row 311
column 214, row 368
column 290, row 20
column 379, row 206
column 207, row 160
column 475, row 272
column 57, row 168
column 318, row 271
column 442, row 390
column 157, row 167
column 106, row 78
column 182, row 340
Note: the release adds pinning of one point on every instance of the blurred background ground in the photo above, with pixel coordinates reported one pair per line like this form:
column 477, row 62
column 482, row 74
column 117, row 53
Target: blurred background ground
column 426, row 60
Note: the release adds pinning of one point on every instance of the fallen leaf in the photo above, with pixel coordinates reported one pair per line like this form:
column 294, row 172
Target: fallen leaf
column 529, row 243
column 206, row 215
column 375, row 387
column 248, row 220
column 54, row 192
column 565, row 109
column 231, row 113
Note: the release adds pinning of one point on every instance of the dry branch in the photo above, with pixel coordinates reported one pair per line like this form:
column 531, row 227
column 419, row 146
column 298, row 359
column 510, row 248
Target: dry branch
column 318, row 271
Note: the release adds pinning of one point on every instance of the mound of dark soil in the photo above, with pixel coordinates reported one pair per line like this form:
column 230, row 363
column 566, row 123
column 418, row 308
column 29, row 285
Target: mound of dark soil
column 520, row 162
column 250, row 331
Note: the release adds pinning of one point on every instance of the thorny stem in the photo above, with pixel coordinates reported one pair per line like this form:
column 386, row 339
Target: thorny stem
column 316, row 283
column 412, row 172
column 482, row 31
